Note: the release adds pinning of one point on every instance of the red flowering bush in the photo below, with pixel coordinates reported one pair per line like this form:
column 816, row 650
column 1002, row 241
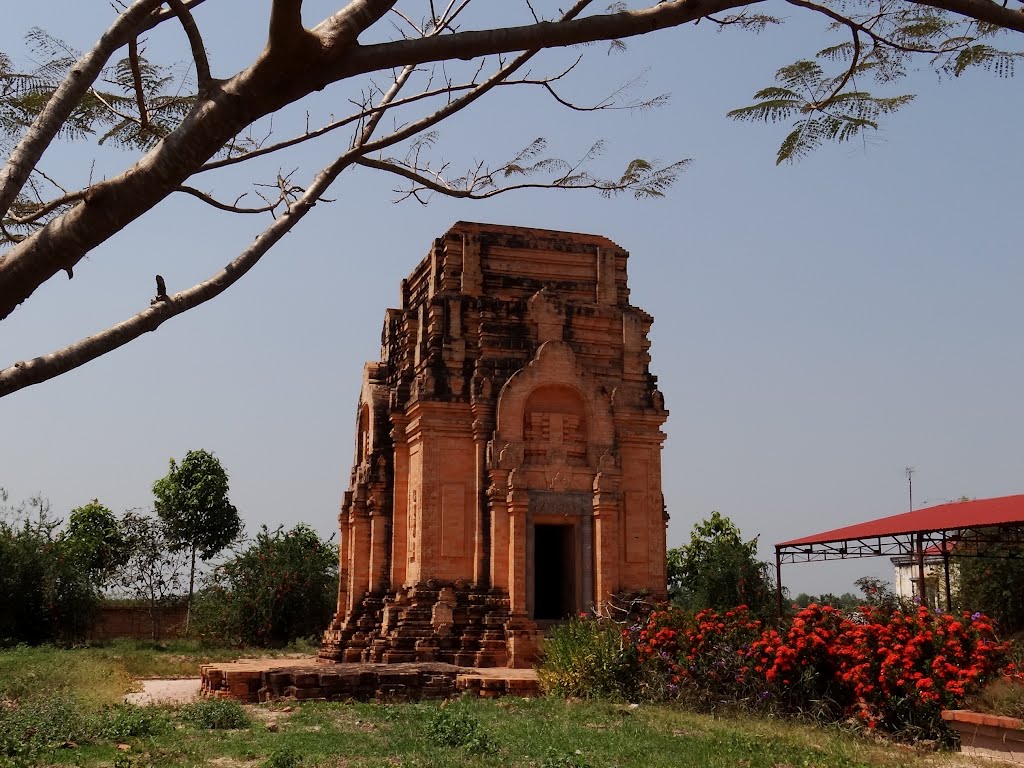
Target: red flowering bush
column 703, row 658
column 904, row 667
column 892, row 669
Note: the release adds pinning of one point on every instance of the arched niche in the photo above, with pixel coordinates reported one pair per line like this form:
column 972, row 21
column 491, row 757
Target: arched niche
column 553, row 388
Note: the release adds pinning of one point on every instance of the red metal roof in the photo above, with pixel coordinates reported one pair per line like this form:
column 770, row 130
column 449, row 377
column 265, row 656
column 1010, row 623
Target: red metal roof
column 980, row 513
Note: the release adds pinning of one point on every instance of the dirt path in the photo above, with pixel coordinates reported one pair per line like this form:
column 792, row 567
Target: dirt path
column 165, row 692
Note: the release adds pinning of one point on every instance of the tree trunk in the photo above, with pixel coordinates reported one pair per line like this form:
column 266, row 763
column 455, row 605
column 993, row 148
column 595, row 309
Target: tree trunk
column 191, row 585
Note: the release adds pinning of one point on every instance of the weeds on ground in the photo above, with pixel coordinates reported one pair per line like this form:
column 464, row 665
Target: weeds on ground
column 128, row 721
column 587, row 658
column 216, row 714
column 1000, row 697
column 456, row 727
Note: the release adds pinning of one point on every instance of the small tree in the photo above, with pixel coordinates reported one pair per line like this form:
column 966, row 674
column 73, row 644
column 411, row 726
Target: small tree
column 94, row 535
column 192, row 502
column 719, row 570
column 151, row 570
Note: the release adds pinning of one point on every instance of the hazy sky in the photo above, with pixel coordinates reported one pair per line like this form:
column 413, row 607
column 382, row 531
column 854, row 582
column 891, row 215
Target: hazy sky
column 818, row 327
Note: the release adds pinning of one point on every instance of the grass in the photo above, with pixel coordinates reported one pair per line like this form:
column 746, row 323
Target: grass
column 544, row 733
column 71, row 722
column 101, row 674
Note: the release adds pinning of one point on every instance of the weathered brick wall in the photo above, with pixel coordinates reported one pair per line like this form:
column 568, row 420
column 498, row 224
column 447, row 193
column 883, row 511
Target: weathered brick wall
column 117, row 621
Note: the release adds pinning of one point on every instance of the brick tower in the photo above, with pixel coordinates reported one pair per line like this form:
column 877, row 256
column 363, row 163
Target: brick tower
column 508, row 453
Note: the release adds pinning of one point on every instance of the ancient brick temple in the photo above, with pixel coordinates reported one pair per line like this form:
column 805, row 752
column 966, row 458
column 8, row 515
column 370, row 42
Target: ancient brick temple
column 508, row 453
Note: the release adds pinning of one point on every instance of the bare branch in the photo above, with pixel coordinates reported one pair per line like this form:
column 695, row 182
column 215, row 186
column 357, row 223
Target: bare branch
column 49, row 122
column 285, row 195
column 456, row 105
column 48, row 207
column 26, row 373
column 140, row 93
column 195, row 41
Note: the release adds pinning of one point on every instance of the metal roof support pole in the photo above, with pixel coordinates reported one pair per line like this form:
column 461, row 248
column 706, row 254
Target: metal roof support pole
column 945, row 573
column 919, row 553
column 778, row 584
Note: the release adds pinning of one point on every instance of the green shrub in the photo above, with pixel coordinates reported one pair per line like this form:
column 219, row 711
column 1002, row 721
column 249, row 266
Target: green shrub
column 283, row 757
column 17, row 751
column 282, row 588
column 47, row 590
column 587, row 658
column 48, row 722
column 127, row 721
column 456, row 727
column 216, row 714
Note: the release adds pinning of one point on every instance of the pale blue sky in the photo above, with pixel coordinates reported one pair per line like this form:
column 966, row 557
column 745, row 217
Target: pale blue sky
column 817, row 327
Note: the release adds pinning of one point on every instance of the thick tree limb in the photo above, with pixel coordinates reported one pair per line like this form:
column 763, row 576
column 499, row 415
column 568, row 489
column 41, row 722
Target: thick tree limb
column 159, row 17
column 554, row 34
column 981, row 10
column 49, row 122
column 340, row 31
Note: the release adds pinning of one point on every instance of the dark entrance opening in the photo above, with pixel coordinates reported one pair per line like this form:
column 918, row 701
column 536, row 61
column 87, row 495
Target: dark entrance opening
column 553, row 572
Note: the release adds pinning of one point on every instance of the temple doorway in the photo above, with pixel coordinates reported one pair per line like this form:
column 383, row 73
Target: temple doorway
column 554, row 572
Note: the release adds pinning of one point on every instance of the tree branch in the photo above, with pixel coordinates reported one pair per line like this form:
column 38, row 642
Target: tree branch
column 554, row 34
column 195, row 41
column 28, row 372
column 286, row 193
column 46, row 208
column 339, row 32
column 981, row 10
column 49, row 122
column 140, row 93
column 159, row 17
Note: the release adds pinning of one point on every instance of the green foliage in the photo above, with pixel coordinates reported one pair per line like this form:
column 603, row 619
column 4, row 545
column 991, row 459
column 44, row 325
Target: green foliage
column 719, row 570
column 47, row 590
column 105, row 111
column 878, row 594
column 128, row 721
column 587, row 658
column 994, row 585
column 283, row 757
column 282, row 587
column 94, row 534
column 844, row 602
column 150, row 571
column 820, row 112
column 456, row 727
column 192, row 502
column 823, row 97
column 216, row 714
column 41, row 723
